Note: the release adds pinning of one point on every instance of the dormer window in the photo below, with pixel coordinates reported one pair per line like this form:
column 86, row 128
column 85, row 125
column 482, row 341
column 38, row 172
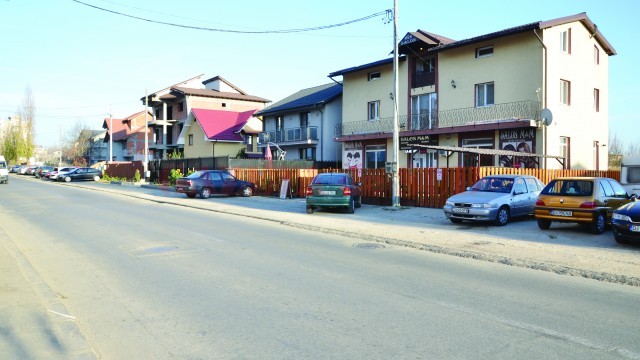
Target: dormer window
column 375, row 75
column 484, row 51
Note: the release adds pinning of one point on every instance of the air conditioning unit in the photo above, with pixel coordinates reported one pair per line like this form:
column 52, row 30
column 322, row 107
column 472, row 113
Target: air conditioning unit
column 442, row 152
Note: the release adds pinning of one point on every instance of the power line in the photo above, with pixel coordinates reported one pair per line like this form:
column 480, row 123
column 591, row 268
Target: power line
column 285, row 31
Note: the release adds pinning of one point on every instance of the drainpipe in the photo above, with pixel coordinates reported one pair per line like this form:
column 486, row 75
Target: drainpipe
column 544, row 129
column 321, row 132
column 164, row 130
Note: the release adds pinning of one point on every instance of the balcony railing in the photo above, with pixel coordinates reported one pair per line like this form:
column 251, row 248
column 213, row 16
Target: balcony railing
column 423, row 78
column 489, row 114
column 290, row 135
column 529, row 110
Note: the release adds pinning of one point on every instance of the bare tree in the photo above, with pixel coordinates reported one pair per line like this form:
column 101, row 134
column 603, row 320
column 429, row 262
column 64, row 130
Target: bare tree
column 76, row 143
column 26, row 145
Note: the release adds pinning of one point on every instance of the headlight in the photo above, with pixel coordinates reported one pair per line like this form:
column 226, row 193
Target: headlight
column 481, row 206
column 448, row 203
column 621, row 217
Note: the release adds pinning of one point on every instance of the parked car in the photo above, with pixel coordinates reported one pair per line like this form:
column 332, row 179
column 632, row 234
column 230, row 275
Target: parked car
column 333, row 190
column 80, row 174
column 23, row 169
column 61, row 170
column 208, row 182
column 15, row 168
column 495, row 198
column 4, row 172
column 626, row 223
column 584, row 200
column 42, row 170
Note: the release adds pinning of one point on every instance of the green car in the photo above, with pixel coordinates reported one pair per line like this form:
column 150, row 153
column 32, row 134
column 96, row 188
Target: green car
column 333, row 190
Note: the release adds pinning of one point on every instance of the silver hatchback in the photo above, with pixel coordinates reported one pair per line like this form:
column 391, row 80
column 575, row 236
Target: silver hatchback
column 495, row 198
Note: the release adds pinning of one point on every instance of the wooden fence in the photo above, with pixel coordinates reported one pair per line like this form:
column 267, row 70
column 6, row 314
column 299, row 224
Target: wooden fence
column 418, row 187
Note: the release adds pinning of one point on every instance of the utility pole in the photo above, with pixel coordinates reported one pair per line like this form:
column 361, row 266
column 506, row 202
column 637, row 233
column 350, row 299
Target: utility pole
column 146, row 136
column 110, row 136
column 395, row 181
column 60, row 143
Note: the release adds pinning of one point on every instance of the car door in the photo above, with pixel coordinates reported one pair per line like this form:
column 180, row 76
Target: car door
column 520, row 197
column 619, row 198
column 533, row 188
column 229, row 184
column 214, row 181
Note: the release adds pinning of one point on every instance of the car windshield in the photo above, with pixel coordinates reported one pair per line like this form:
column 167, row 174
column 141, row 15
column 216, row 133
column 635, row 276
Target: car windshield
column 493, row 184
column 330, row 179
column 569, row 187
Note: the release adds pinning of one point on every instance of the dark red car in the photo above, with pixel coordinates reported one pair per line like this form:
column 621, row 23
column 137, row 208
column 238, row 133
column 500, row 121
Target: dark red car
column 208, row 182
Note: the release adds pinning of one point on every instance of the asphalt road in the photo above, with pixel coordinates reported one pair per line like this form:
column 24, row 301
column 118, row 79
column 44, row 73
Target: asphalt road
column 120, row 277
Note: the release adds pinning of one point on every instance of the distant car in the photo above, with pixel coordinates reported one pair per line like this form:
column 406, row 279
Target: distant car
column 585, row 200
column 495, row 198
column 333, row 190
column 80, row 174
column 43, row 170
column 15, row 168
column 208, row 182
column 23, row 169
column 626, row 223
column 61, row 170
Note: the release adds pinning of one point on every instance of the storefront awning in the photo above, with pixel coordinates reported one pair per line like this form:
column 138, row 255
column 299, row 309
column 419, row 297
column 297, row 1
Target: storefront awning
column 478, row 151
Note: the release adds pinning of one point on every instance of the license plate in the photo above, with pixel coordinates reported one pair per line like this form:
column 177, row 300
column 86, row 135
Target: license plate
column 561, row 213
column 327, row 192
column 460, row 210
column 635, row 228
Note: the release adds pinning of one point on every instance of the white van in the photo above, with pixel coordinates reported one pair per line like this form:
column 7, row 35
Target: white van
column 4, row 171
column 630, row 173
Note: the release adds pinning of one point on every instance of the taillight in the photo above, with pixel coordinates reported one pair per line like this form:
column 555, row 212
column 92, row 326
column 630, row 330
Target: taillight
column 346, row 191
column 589, row 205
column 309, row 191
column 539, row 203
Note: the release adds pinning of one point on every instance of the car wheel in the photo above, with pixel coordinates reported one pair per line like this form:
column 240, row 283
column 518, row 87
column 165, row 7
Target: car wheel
column 189, row 195
column 351, row 208
column 544, row 224
column 620, row 239
column 359, row 202
column 67, row 178
column 502, row 218
column 455, row 220
column 598, row 224
column 246, row 192
column 205, row 193
column 309, row 209
column 96, row 178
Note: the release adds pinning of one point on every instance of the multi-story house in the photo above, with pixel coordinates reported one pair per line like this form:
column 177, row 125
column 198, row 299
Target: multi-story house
column 486, row 92
column 302, row 124
column 95, row 148
column 173, row 110
column 127, row 137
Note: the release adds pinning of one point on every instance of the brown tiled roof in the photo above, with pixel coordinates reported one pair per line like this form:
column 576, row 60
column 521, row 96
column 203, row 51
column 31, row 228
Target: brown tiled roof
column 218, row 94
column 224, row 81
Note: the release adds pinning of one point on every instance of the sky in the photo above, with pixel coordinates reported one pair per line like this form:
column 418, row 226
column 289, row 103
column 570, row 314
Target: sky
column 82, row 64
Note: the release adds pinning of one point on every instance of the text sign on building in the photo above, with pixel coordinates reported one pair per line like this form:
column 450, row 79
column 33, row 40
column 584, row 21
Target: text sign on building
column 410, row 142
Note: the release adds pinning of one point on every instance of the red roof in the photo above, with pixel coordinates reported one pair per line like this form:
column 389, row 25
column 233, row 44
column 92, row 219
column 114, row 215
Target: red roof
column 222, row 125
column 122, row 127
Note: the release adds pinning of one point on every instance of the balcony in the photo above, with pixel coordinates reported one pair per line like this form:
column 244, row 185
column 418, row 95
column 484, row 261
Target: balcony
column 499, row 113
column 423, row 78
column 302, row 135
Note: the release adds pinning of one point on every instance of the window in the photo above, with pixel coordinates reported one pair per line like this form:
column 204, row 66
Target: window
column 596, row 55
column 565, row 41
column 484, row 51
column 307, row 153
column 565, row 92
column 304, row 119
column 596, row 100
column 484, row 94
column 181, row 107
column 565, row 152
column 190, row 139
column 424, row 111
column 374, row 75
column 376, row 156
column 169, row 113
column 374, row 110
column 471, row 160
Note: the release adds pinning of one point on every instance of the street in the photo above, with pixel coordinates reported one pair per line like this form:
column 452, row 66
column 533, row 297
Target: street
column 149, row 280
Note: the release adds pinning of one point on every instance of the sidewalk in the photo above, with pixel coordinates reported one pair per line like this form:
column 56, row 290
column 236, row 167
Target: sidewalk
column 565, row 249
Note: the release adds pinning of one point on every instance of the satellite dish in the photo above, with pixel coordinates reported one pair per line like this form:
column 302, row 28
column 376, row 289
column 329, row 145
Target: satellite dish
column 546, row 116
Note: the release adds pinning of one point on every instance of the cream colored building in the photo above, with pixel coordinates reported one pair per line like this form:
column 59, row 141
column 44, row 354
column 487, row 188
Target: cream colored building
column 173, row 105
column 486, row 92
